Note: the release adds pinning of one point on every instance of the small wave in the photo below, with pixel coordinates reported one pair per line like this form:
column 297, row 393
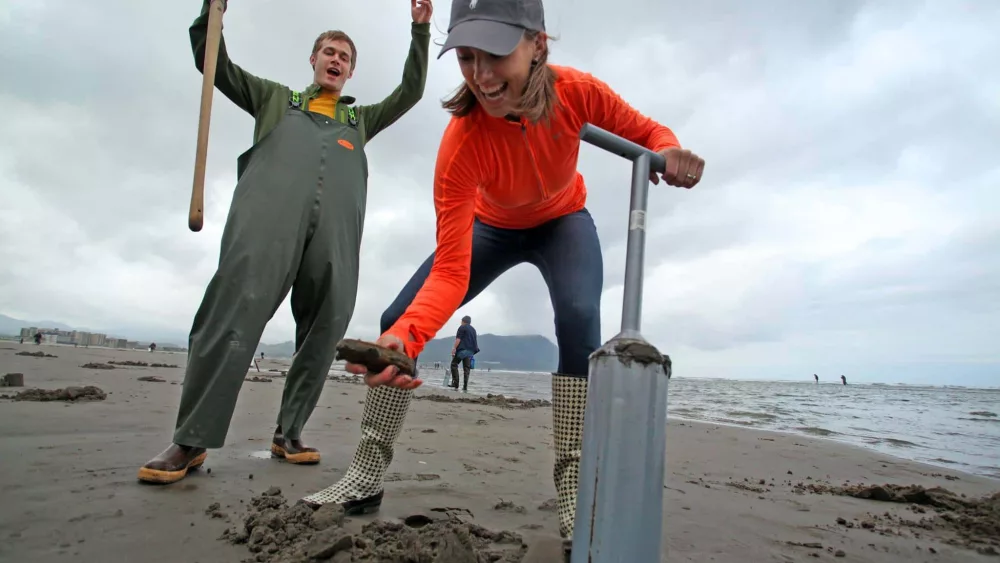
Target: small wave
column 995, row 420
column 731, row 421
column 813, row 430
column 943, row 460
column 984, row 413
column 754, row 415
column 895, row 442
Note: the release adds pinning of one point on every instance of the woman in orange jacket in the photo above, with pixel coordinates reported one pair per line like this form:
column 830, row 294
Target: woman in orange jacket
column 507, row 191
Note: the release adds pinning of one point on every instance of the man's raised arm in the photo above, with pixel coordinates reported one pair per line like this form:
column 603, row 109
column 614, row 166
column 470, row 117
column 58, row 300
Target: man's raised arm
column 383, row 114
column 242, row 88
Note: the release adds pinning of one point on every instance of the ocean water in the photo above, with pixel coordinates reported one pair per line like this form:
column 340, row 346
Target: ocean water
column 954, row 427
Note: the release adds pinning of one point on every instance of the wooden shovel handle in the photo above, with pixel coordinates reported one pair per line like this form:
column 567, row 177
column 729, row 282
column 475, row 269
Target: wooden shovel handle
column 196, row 212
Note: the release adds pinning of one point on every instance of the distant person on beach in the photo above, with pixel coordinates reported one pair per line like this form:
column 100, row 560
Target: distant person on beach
column 306, row 178
column 465, row 347
column 507, row 191
column 843, row 379
column 817, row 377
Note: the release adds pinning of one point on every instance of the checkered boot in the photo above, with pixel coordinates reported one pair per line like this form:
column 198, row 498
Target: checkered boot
column 569, row 401
column 359, row 491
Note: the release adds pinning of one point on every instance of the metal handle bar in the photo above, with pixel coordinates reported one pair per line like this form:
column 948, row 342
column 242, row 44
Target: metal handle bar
column 643, row 162
column 612, row 143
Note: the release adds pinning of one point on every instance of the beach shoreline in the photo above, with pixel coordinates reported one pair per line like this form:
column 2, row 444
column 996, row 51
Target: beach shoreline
column 731, row 493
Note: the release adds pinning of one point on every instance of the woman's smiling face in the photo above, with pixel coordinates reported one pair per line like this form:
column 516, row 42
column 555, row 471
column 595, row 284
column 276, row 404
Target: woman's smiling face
column 498, row 82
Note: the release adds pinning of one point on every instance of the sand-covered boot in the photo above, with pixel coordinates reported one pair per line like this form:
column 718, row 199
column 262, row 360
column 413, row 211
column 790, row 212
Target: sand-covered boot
column 359, row 491
column 569, row 401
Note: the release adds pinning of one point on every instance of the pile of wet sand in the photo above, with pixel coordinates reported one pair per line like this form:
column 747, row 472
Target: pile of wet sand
column 356, row 380
column 490, row 400
column 134, row 364
column 38, row 354
column 278, row 533
column 973, row 523
column 79, row 394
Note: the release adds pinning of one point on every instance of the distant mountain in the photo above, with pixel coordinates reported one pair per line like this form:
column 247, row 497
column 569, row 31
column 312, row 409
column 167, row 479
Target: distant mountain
column 519, row 352
column 9, row 326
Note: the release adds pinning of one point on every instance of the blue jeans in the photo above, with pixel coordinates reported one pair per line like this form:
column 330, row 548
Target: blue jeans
column 565, row 250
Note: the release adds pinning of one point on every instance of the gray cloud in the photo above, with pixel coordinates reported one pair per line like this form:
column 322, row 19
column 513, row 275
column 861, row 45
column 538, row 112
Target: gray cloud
column 847, row 216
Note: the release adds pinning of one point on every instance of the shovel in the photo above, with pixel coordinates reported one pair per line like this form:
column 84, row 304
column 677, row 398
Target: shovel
column 619, row 507
column 196, row 212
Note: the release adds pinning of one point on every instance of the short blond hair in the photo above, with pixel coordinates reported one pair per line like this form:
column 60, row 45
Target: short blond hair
column 337, row 35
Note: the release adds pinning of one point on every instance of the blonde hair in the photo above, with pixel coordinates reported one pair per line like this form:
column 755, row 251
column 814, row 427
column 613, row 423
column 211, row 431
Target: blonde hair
column 337, row 35
column 537, row 101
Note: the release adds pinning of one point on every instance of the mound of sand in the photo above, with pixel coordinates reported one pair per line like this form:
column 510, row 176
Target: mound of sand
column 973, row 523
column 356, row 380
column 277, row 533
column 88, row 393
column 38, row 354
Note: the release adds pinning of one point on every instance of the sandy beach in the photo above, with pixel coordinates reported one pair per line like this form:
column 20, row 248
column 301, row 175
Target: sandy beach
column 731, row 495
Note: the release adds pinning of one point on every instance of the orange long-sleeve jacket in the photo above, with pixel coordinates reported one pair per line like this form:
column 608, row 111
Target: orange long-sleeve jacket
column 512, row 175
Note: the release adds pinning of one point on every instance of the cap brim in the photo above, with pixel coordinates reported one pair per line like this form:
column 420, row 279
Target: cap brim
column 495, row 38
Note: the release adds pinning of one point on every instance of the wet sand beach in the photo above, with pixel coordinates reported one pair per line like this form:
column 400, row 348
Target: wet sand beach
column 732, row 495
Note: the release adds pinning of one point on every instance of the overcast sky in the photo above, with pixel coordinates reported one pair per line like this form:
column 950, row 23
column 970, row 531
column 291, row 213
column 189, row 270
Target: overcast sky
column 847, row 221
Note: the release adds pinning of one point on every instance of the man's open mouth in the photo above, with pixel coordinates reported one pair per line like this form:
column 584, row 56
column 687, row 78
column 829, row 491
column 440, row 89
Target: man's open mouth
column 335, row 72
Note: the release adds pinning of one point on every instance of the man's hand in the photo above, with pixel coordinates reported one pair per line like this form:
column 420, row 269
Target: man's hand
column 684, row 168
column 389, row 376
column 421, row 10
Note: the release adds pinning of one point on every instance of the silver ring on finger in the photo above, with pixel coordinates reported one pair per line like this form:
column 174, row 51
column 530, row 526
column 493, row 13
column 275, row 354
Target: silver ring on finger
column 692, row 176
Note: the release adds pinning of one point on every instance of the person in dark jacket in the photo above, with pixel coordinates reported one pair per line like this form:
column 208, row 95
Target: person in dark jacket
column 466, row 346
column 295, row 224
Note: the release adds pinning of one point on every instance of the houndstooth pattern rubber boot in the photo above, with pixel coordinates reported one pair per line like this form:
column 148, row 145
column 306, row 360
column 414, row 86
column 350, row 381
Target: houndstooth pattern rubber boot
column 569, row 401
column 360, row 490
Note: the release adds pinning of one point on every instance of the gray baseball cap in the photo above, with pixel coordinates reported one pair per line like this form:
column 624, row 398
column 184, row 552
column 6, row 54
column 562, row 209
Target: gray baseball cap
column 494, row 26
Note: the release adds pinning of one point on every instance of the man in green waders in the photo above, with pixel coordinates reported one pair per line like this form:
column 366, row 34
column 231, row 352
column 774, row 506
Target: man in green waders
column 295, row 224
